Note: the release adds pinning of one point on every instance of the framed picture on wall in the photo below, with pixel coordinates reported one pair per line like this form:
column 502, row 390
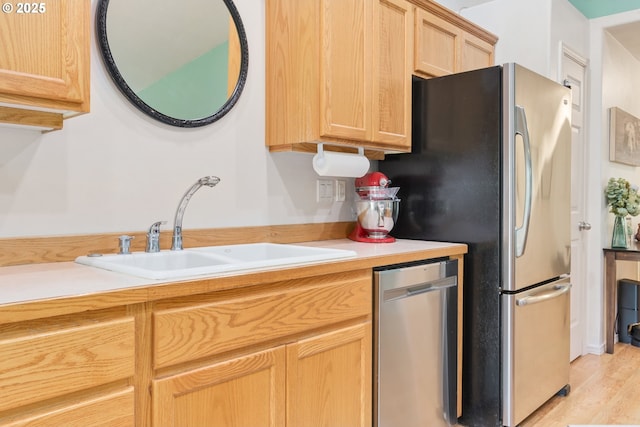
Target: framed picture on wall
column 624, row 137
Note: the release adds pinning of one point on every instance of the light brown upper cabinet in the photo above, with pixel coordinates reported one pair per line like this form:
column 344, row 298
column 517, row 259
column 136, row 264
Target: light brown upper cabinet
column 44, row 62
column 338, row 71
column 445, row 43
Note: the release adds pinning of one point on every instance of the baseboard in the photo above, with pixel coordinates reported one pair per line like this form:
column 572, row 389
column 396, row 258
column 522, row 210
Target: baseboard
column 595, row 349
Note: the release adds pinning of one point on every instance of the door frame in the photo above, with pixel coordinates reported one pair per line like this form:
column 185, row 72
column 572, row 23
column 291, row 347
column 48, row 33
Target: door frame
column 566, row 52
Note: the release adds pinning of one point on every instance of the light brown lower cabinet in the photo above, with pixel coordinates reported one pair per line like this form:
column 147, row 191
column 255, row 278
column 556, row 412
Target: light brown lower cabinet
column 289, row 353
column 323, row 380
column 68, row 371
column 293, row 352
column 244, row 391
column 329, row 379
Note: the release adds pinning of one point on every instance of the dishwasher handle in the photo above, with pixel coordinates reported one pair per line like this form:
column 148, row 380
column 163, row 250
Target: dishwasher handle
column 413, row 290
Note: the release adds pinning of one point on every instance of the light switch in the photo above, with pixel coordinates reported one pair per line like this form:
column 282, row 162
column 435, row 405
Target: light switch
column 324, row 191
column 341, row 190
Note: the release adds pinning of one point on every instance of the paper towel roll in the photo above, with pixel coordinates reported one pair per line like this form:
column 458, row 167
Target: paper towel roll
column 329, row 163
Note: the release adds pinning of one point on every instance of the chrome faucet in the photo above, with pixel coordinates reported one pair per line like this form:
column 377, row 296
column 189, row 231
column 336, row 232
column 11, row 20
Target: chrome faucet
column 209, row 181
column 153, row 237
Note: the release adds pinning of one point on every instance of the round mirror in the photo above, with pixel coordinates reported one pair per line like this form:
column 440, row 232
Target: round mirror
column 183, row 63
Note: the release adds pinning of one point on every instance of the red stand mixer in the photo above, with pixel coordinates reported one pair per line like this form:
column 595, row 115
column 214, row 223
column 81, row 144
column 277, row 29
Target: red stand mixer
column 376, row 209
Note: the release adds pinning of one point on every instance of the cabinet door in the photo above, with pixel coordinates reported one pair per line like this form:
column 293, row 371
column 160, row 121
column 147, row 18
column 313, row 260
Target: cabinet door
column 44, row 54
column 436, row 45
column 476, row 53
column 392, row 53
column 345, row 69
column 243, row 392
column 329, row 379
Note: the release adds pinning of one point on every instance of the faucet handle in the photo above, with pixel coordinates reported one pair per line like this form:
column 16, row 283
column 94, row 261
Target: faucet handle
column 155, row 227
column 153, row 237
column 125, row 244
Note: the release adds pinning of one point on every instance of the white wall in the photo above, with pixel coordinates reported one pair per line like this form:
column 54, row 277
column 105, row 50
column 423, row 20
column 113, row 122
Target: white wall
column 524, row 41
column 614, row 82
column 115, row 169
column 620, row 88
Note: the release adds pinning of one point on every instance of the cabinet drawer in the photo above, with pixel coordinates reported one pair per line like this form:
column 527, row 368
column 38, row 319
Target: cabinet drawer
column 112, row 410
column 41, row 364
column 191, row 330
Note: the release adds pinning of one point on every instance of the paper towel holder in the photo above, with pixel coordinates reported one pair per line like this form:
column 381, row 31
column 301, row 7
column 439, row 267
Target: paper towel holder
column 321, row 150
column 334, row 163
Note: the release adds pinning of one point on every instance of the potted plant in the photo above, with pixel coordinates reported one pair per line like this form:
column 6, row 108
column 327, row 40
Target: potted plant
column 623, row 200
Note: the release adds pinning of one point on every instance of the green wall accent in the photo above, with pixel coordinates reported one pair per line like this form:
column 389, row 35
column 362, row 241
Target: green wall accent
column 597, row 8
column 196, row 90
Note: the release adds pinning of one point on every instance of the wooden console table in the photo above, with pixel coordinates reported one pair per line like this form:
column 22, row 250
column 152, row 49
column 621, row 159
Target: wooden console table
column 611, row 255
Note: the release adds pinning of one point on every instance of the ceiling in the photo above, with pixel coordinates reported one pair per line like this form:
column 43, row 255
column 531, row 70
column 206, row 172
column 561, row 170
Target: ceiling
column 597, row 8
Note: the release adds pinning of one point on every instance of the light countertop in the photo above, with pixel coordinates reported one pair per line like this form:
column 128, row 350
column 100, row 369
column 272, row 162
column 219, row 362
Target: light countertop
column 50, row 282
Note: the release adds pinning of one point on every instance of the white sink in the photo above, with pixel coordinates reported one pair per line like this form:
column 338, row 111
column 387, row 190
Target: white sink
column 270, row 253
column 211, row 260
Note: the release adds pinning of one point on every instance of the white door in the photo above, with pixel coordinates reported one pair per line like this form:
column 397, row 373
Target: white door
column 573, row 72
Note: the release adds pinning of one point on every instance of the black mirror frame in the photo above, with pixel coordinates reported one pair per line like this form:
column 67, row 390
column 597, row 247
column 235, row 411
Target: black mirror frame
column 101, row 30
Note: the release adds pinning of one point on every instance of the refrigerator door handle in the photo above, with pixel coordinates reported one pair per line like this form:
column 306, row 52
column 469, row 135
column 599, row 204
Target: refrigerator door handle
column 522, row 129
column 556, row 291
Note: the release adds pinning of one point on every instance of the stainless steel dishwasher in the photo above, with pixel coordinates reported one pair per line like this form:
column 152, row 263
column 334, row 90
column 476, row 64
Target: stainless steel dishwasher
column 415, row 344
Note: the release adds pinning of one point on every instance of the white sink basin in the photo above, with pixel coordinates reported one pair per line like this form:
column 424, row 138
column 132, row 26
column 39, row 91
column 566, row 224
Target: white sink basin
column 270, row 253
column 211, row 260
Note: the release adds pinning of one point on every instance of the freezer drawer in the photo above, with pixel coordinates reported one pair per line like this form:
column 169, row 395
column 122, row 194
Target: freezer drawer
column 536, row 348
column 415, row 345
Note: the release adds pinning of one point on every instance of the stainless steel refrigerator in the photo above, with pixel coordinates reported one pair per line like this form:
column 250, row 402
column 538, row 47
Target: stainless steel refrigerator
column 490, row 166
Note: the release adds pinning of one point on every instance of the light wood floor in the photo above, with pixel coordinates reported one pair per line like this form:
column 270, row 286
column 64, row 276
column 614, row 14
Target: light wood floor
column 605, row 389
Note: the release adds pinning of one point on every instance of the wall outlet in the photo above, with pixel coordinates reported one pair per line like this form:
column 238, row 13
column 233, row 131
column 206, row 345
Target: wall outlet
column 324, row 190
column 341, row 190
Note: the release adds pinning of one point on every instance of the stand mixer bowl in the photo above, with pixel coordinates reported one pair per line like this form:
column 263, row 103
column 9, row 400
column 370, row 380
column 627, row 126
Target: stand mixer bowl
column 377, row 217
